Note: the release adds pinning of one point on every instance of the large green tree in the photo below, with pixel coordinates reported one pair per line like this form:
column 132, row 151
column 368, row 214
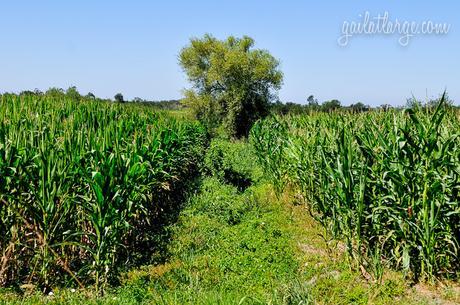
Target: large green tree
column 233, row 83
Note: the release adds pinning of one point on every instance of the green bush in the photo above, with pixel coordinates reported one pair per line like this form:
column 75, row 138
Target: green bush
column 232, row 163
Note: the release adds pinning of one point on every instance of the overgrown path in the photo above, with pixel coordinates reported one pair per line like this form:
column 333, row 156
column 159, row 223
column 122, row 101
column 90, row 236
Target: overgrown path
column 238, row 243
column 251, row 247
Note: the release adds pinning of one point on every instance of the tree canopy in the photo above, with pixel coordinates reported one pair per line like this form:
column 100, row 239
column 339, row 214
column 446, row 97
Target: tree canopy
column 233, row 84
column 73, row 93
column 119, row 98
column 331, row 105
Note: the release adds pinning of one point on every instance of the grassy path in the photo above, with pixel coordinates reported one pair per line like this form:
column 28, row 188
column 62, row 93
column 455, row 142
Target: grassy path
column 250, row 247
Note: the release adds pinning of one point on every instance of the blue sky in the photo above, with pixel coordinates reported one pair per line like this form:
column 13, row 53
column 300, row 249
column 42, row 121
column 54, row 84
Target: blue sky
column 131, row 47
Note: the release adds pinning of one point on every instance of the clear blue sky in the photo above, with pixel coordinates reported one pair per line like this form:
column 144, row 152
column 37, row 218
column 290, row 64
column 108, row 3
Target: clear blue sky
column 131, row 46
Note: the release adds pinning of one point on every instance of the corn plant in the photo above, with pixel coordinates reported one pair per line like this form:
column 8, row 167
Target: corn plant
column 83, row 185
column 387, row 183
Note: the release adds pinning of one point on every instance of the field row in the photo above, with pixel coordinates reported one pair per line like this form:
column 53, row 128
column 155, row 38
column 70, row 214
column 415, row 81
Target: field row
column 86, row 187
column 386, row 183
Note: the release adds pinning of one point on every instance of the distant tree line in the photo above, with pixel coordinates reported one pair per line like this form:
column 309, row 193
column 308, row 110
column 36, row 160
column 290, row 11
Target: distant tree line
column 162, row 104
column 313, row 105
column 413, row 102
column 72, row 93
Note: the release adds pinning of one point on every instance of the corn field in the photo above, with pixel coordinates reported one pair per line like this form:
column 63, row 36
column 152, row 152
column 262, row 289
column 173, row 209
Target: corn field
column 85, row 187
column 387, row 184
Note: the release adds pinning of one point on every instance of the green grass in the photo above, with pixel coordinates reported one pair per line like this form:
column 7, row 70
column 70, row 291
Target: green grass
column 232, row 242
column 228, row 245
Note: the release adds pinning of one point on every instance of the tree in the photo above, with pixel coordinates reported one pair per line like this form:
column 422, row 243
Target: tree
column 331, row 105
column 412, row 102
column 90, row 96
column 386, row 107
column 233, row 84
column 26, row 93
column 312, row 102
column 73, row 93
column 119, row 98
column 55, row 92
column 138, row 100
column 359, row 107
column 434, row 102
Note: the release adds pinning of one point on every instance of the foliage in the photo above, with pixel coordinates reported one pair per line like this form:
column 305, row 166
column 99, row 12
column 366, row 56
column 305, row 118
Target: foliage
column 86, row 187
column 434, row 102
column 290, row 108
column 232, row 83
column 73, row 94
column 312, row 102
column 329, row 106
column 90, row 96
column 359, row 107
column 231, row 164
column 164, row 104
column 56, row 93
column 233, row 247
column 386, row 182
column 312, row 106
column 119, row 98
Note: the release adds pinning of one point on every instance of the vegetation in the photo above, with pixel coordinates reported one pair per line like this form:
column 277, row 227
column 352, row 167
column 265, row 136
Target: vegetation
column 86, row 187
column 109, row 202
column 233, row 246
column 233, row 84
column 387, row 183
column 163, row 105
column 313, row 106
column 119, row 98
